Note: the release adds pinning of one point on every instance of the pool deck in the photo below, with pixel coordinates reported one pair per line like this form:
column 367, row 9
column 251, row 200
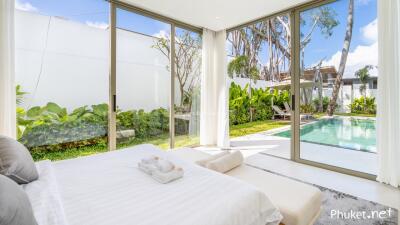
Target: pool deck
column 266, row 143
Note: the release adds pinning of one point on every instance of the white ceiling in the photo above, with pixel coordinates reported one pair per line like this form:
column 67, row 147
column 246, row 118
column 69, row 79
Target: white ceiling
column 215, row 14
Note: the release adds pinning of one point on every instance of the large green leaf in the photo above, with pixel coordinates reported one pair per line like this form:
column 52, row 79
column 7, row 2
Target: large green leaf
column 34, row 112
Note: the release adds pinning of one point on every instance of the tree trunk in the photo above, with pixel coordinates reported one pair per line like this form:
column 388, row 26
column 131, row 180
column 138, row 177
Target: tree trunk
column 343, row 59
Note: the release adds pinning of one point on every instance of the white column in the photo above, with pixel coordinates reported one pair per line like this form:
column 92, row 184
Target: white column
column 388, row 116
column 214, row 119
column 7, row 83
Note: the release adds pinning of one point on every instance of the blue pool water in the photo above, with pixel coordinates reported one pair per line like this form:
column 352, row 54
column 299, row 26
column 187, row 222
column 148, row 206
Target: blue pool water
column 345, row 132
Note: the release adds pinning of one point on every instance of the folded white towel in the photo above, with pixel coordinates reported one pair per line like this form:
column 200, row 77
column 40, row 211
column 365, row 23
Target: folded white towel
column 164, row 165
column 169, row 176
column 147, row 167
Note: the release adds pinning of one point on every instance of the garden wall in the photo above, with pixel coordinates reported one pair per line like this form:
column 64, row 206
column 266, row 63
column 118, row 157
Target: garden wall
column 66, row 62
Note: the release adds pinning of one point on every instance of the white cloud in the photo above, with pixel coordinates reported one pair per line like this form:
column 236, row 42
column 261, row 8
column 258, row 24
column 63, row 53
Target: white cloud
column 162, row 34
column 370, row 32
column 100, row 25
column 357, row 59
column 362, row 55
column 25, row 6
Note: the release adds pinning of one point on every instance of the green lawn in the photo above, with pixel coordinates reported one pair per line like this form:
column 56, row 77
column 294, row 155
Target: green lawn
column 355, row 114
column 256, row 127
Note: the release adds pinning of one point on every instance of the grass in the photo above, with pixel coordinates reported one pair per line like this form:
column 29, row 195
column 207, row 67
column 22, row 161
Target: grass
column 256, row 127
column 355, row 114
column 161, row 141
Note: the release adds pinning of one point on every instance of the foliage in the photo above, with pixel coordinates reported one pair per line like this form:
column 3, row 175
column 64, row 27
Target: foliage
column 325, row 103
column 240, row 66
column 260, row 102
column 307, row 108
column 256, row 127
column 363, row 105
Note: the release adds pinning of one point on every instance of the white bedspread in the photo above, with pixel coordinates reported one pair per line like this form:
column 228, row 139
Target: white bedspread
column 108, row 189
column 44, row 196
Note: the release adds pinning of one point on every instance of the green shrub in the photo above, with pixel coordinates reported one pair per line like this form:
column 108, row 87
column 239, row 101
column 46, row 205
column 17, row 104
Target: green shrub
column 260, row 103
column 307, row 108
column 51, row 127
column 363, row 106
column 325, row 103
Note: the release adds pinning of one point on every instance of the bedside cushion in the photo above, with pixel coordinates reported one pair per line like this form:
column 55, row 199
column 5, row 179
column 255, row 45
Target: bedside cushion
column 16, row 162
column 15, row 208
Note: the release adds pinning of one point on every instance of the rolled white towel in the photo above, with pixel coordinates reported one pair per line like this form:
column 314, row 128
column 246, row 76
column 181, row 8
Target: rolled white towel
column 226, row 163
column 204, row 162
column 169, row 176
column 148, row 168
column 164, row 165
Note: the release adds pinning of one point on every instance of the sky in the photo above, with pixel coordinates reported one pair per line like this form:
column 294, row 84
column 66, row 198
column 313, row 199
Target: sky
column 363, row 50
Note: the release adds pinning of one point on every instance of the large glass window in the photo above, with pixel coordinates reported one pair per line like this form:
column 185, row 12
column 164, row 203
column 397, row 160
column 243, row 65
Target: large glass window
column 260, row 86
column 143, row 80
column 338, row 48
column 62, row 68
column 187, row 87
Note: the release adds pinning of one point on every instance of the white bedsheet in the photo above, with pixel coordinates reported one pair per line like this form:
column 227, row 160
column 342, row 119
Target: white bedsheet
column 44, row 196
column 108, row 189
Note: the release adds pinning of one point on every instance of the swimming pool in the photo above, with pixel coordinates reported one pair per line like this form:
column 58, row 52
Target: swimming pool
column 345, row 132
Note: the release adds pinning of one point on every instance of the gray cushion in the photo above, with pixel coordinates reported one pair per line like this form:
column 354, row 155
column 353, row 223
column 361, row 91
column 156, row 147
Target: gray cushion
column 15, row 208
column 16, row 162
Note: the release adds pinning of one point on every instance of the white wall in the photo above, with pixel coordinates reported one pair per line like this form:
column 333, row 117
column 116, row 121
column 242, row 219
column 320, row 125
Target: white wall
column 72, row 69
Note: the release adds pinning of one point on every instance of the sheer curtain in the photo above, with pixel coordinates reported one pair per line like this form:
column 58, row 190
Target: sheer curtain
column 7, row 86
column 388, row 117
column 214, row 119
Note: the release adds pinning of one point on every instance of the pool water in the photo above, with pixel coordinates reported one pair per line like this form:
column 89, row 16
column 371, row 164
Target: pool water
column 345, row 132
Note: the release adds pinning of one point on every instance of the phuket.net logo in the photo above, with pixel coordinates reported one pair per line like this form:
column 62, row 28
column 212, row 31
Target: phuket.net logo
column 361, row 215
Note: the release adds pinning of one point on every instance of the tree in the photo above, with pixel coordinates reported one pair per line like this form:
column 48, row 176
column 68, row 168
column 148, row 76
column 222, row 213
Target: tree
column 343, row 59
column 240, row 66
column 188, row 62
column 364, row 76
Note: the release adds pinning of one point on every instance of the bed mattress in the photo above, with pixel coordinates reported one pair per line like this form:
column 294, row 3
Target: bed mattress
column 109, row 189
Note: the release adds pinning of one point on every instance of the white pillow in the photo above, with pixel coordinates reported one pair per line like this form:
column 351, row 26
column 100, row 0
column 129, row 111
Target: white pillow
column 226, row 162
column 204, row 162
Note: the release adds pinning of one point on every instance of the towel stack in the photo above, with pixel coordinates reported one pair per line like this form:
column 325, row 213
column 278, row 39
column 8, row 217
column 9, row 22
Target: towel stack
column 161, row 170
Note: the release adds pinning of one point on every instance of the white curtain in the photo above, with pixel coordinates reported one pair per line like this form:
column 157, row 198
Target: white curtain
column 7, row 86
column 388, row 117
column 214, row 119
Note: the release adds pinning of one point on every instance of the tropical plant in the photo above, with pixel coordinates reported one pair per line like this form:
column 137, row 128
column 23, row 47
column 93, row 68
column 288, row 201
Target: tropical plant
column 261, row 101
column 325, row 103
column 364, row 76
column 307, row 108
column 363, row 105
column 241, row 67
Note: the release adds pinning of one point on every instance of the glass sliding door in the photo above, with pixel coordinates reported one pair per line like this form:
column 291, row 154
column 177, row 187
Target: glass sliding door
column 187, row 86
column 143, row 80
column 259, row 66
column 337, row 85
column 62, row 77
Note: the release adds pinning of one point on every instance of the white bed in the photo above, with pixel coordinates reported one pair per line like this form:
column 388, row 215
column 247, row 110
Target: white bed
column 108, row 189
